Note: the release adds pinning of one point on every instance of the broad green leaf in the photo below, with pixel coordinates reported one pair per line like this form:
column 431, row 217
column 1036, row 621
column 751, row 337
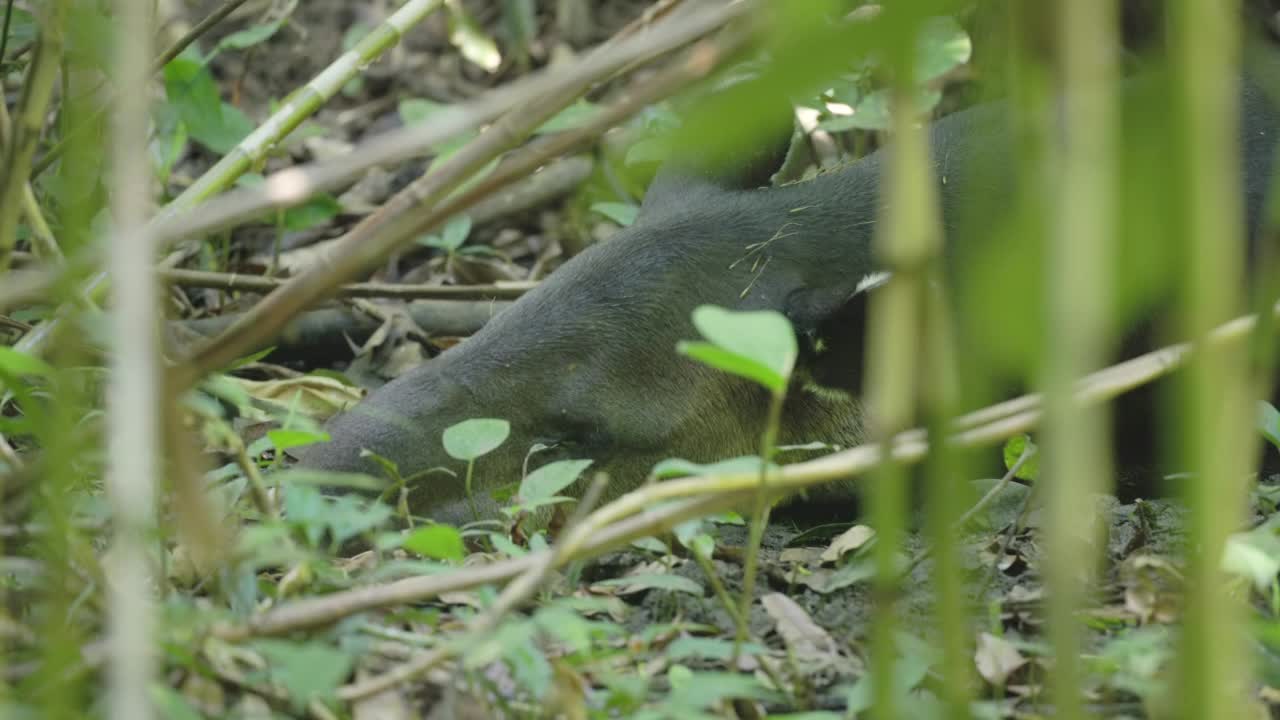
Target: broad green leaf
column 455, row 233
column 941, row 47
column 651, row 150
column 286, row 439
column 471, row 439
column 415, row 111
column 442, row 542
column 307, row 671
column 679, row 467
column 726, row 360
column 530, row 667
column 567, row 626
column 248, row 37
column 20, row 364
column 349, row 516
column 319, row 209
column 547, row 481
column 622, row 213
column 576, row 115
column 508, row 636
column 1254, row 555
column 170, row 702
column 704, row 689
column 758, row 345
column 1013, row 450
column 872, row 111
column 471, row 40
column 325, row 478
column 1269, row 422
column 654, row 581
column 707, row 648
column 191, row 89
column 22, row 27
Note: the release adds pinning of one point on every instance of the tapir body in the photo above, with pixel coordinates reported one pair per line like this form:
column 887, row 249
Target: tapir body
column 586, row 363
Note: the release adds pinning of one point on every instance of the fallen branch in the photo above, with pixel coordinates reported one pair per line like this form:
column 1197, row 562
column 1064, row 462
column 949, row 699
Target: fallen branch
column 321, row 332
column 650, row 510
column 262, row 284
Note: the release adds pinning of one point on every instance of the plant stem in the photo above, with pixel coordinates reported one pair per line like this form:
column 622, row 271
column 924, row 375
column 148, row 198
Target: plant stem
column 759, row 519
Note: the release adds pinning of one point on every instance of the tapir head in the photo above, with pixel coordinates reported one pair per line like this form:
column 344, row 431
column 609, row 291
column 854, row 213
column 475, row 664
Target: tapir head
column 587, row 363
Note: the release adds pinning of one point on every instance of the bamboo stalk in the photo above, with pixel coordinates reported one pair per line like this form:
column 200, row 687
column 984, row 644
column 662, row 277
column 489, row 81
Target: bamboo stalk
column 1077, row 459
column 29, row 122
column 133, row 394
column 1204, row 57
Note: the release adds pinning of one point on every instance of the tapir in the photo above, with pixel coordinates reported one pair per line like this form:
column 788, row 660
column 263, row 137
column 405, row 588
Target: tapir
column 586, row 363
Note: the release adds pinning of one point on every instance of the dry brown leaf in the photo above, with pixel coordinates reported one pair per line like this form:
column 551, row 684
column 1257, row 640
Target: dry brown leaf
column 312, row 395
column 996, row 659
column 847, row 542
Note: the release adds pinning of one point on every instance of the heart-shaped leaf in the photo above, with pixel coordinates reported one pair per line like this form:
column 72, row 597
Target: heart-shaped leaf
column 757, row 345
column 550, row 479
column 471, row 439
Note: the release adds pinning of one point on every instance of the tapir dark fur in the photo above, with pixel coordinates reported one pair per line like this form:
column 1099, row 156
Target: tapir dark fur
column 586, row 362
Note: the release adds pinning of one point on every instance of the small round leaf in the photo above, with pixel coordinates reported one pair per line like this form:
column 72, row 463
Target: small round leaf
column 442, row 542
column 757, row 345
column 551, row 478
column 470, row 439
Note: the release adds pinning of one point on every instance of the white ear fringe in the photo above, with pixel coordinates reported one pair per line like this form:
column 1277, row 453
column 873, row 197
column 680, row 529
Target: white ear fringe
column 872, row 281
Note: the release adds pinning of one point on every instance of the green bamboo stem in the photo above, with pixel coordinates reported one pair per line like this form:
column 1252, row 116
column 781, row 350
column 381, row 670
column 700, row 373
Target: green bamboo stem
column 29, row 122
column 1204, row 56
column 907, row 242
column 301, row 104
column 1078, row 300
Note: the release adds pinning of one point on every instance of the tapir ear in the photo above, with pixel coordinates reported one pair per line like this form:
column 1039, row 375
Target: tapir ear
column 831, row 326
column 689, row 168
column 811, row 309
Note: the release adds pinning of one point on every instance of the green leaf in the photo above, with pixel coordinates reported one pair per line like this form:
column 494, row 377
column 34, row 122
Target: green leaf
column 471, row 40
column 941, row 47
column 344, row 517
column 623, row 214
column 20, row 364
column 707, row 648
column 679, row 467
column 450, row 239
column 872, row 112
column 576, row 115
column 530, row 667
column 319, row 209
column 248, row 37
column 651, row 150
column 655, row 581
column 22, row 27
column 1254, row 555
column 704, row 689
column 191, row 89
column 721, row 359
column 325, row 478
column 442, row 542
column 1013, row 450
column 171, row 703
column 416, row 111
column 547, row 481
column 285, row 439
column 471, row 439
column 758, row 345
column 1269, row 422
column 307, row 671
